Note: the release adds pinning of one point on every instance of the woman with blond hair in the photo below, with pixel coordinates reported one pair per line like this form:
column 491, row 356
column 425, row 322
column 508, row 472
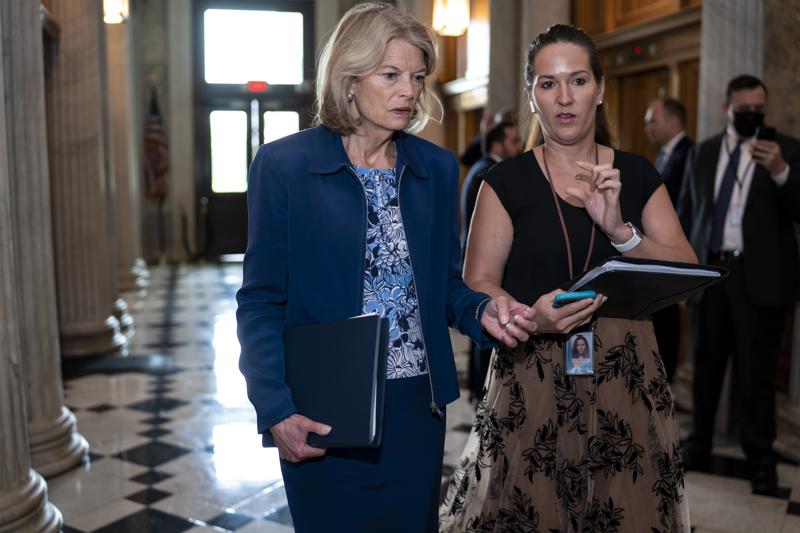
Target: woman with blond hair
column 357, row 215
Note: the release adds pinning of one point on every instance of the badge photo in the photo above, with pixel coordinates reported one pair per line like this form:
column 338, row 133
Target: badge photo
column 579, row 354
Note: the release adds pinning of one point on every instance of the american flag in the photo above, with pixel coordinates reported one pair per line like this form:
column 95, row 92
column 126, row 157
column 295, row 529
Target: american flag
column 156, row 154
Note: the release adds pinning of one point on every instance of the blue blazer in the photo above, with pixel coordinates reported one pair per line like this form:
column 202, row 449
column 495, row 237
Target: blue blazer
column 306, row 250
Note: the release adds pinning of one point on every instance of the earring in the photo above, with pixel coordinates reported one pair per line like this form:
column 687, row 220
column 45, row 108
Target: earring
column 600, row 102
column 350, row 97
column 533, row 108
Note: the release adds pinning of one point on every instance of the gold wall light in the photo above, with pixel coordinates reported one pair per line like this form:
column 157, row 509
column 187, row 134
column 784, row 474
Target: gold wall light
column 451, row 17
column 115, row 11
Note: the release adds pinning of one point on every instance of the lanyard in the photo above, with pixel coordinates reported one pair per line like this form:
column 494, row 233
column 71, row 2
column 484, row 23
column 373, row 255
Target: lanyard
column 561, row 217
column 739, row 182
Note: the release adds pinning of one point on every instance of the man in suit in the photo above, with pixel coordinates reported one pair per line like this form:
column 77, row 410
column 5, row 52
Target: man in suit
column 740, row 197
column 475, row 148
column 502, row 141
column 665, row 121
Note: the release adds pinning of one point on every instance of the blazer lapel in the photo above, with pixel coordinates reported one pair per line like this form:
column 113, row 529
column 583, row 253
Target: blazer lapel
column 708, row 170
column 760, row 178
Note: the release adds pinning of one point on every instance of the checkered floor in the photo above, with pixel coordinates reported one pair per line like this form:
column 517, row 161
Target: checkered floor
column 173, row 443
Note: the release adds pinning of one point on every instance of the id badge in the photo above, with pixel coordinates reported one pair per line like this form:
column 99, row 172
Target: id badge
column 579, row 352
column 736, row 213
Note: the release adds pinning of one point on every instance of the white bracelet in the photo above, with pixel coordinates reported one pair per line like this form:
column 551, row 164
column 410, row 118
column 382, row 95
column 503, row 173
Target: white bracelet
column 632, row 243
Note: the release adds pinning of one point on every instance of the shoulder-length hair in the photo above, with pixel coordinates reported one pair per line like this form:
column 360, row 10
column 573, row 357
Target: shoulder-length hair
column 356, row 47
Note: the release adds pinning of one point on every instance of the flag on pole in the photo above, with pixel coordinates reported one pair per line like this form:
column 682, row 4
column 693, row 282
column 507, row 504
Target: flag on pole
column 156, row 154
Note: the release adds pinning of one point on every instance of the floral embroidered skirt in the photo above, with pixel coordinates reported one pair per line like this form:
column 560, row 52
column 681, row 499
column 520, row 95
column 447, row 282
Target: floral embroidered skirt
column 551, row 452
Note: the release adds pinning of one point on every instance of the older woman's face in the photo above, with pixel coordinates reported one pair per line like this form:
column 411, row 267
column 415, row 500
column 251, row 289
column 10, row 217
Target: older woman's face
column 565, row 93
column 385, row 98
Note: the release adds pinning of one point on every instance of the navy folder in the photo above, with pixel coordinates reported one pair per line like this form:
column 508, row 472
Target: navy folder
column 336, row 372
column 637, row 288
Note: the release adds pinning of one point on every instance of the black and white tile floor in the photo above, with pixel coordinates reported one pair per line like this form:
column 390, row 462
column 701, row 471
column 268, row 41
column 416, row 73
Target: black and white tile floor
column 173, row 442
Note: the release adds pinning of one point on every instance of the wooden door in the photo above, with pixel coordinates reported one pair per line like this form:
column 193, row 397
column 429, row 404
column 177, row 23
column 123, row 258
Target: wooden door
column 689, row 72
column 234, row 117
column 636, row 91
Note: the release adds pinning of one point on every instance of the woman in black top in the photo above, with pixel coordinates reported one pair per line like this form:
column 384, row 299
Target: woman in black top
column 552, row 451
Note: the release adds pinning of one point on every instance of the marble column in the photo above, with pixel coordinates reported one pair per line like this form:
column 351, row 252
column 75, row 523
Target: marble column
column 731, row 43
column 133, row 274
column 505, row 65
column 535, row 17
column 119, row 307
column 23, row 493
column 781, row 64
column 84, row 260
column 54, row 442
column 780, row 76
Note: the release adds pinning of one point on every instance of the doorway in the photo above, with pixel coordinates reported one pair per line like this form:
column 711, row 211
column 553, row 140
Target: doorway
column 254, row 72
column 636, row 91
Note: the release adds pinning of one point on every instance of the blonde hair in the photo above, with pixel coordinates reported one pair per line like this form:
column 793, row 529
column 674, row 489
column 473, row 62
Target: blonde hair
column 356, row 47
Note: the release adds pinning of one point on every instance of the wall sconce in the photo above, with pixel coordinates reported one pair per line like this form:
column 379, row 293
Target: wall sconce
column 115, row 11
column 451, row 17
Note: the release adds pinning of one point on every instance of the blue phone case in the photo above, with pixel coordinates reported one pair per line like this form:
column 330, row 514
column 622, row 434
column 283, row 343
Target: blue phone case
column 568, row 297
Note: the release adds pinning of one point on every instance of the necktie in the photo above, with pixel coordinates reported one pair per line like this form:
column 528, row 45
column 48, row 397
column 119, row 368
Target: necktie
column 660, row 160
column 723, row 200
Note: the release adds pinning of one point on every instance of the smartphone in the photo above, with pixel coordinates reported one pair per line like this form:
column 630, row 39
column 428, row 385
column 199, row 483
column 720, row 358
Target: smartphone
column 765, row 134
column 568, row 297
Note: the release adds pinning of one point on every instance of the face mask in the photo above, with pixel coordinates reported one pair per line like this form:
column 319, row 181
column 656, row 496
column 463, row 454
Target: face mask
column 746, row 122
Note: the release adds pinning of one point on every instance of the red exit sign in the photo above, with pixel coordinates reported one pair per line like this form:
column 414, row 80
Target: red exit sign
column 257, row 86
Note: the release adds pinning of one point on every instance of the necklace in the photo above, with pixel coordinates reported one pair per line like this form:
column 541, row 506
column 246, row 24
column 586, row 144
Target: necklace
column 561, row 214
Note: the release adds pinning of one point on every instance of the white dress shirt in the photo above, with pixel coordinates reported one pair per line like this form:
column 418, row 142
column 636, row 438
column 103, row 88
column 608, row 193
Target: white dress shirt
column 667, row 149
column 672, row 143
column 732, row 236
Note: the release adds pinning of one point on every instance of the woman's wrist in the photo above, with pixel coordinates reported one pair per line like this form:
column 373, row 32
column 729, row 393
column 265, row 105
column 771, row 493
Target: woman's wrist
column 620, row 234
column 481, row 308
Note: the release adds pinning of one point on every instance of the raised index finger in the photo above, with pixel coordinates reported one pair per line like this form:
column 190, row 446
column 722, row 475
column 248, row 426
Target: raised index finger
column 592, row 167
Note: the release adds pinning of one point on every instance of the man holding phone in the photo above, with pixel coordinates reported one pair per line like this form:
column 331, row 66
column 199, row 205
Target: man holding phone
column 740, row 197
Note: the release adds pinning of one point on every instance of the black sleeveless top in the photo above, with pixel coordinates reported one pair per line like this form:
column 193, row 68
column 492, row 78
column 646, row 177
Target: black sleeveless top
column 537, row 262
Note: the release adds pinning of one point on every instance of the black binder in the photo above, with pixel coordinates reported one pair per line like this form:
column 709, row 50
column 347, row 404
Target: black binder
column 336, row 372
column 637, row 288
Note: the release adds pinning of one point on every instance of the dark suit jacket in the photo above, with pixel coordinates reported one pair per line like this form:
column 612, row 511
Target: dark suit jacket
column 472, row 153
column 772, row 265
column 469, row 193
column 307, row 218
column 673, row 171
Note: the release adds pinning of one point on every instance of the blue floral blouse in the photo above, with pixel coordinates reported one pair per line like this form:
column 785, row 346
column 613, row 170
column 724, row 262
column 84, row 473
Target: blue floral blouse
column 388, row 280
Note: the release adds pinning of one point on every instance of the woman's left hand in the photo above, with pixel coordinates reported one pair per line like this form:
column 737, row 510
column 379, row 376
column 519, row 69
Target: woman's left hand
column 602, row 203
column 510, row 322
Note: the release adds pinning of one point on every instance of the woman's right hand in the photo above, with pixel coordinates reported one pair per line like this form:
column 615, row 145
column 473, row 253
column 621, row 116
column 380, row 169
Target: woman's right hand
column 564, row 319
column 290, row 437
